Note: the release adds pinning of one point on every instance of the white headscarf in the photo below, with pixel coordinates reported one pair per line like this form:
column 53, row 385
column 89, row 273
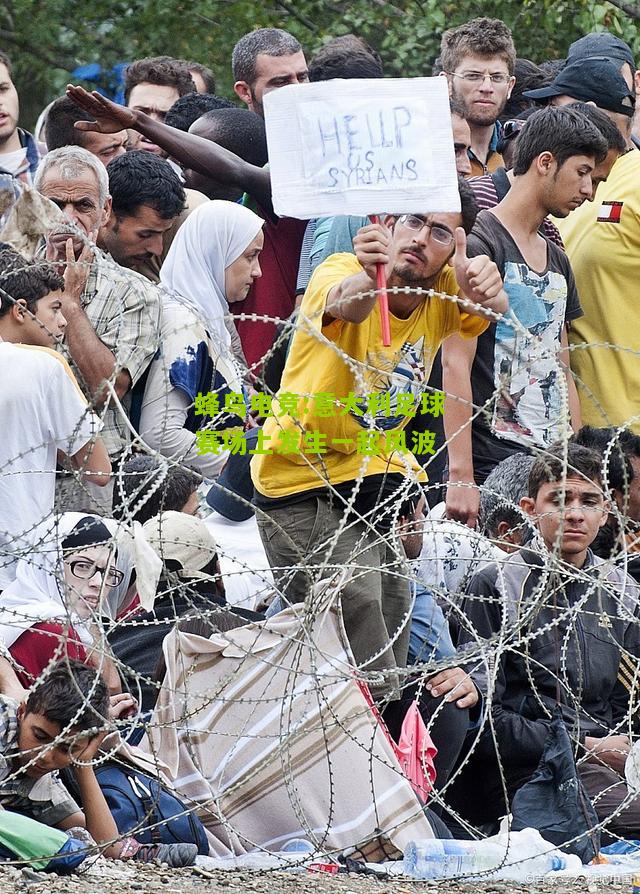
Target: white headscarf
column 37, row 594
column 213, row 236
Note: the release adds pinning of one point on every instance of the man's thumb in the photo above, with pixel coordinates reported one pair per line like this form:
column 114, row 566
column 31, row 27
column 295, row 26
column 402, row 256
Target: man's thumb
column 460, row 254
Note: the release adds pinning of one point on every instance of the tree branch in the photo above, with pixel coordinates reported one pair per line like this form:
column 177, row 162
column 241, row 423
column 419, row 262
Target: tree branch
column 290, row 8
column 29, row 48
column 628, row 8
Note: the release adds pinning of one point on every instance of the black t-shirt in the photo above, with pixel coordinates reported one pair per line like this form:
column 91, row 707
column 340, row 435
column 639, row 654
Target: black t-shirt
column 516, row 372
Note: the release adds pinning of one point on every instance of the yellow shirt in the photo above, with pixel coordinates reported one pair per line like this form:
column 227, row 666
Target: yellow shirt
column 602, row 239
column 343, row 359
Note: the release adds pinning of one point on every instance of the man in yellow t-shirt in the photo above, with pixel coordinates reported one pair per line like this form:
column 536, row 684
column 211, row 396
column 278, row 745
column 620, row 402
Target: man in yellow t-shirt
column 335, row 433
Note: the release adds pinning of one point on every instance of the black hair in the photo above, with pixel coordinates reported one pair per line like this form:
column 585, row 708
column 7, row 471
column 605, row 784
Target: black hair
column 562, row 131
column 468, row 203
column 580, row 462
column 139, row 475
column 611, row 133
column 205, row 73
column 456, row 108
column 29, row 280
column 161, row 70
column 141, row 178
column 59, row 129
column 619, row 445
column 345, row 57
column 270, row 41
column 71, row 694
column 89, row 531
column 529, row 76
column 241, row 132
column 4, row 60
column 190, row 107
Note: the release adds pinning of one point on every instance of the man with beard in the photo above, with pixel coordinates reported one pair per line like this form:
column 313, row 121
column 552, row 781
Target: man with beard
column 342, row 441
column 478, row 60
column 19, row 154
column 264, row 60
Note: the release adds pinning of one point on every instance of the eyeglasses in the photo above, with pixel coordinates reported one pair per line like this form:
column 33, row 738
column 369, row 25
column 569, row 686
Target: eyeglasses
column 477, row 77
column 438, row 233
column 85, row 570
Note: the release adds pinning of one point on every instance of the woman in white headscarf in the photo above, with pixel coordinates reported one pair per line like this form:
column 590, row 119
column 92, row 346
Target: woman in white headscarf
column 212, row 263
column 54, row 607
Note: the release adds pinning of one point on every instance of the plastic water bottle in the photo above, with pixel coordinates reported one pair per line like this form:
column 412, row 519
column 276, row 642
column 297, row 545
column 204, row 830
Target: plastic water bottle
column 433, row 858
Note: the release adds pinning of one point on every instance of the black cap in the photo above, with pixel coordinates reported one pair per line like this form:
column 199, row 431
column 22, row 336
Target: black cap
column 601, row 44
column 232, row 493
column 591, row 80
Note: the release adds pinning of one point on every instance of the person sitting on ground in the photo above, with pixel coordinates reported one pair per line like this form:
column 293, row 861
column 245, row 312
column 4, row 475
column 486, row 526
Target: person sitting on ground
column 211, row 264
column 579, row 619
column 61, row 724
column 54, row 607
column 191, row 585
column 146, row 486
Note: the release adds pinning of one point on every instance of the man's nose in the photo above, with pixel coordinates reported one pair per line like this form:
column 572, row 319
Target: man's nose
column 154, row 245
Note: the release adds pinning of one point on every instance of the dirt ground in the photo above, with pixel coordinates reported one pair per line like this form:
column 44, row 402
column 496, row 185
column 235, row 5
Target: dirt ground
column 105, row 877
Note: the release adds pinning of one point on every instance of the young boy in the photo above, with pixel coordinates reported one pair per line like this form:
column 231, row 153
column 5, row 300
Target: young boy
column 62, row 724
column 44, row 411
column 570, row 635
column 517, row 371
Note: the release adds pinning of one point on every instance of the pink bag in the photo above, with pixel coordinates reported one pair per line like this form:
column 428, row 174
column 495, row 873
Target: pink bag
column 416, row 752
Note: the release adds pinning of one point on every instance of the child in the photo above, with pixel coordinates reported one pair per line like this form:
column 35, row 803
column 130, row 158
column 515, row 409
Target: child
column 62, row 724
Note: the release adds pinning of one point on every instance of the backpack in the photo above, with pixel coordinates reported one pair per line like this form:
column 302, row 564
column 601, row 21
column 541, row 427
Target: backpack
column 143, row 807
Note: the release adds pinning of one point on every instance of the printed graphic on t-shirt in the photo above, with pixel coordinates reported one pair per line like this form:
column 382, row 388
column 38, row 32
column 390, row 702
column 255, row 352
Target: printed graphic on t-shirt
column 526, row 370
column 406, row 374
column 610, row 212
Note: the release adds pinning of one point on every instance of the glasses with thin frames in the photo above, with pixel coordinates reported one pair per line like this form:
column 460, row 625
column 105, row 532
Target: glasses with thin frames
column 478, row 77
column 85, row 570
column 437, row 232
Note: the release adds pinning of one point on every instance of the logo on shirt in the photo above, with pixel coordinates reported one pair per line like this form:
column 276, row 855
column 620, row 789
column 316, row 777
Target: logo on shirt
column 610, row 212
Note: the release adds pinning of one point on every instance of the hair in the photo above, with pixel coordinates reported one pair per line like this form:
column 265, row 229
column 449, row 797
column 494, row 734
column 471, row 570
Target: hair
column 161, row 70
column 141, row 178
column 611, row 133
column 241, row 132
column 72, row 161
column 456, row 108
column 479, row 37
column 501, row 493
column 617, row 446
column 580, row 462
column 89, row 531
column 270, row 41
column 72, row 695
column 551, row 68
column 205, row 73
column 59, row 127
column 345, row 57
column 562, row 131
column 189, row 108
column 29, row 280
column 529, row 76
column 4, row 60
column 139, row 475
column 469, row 205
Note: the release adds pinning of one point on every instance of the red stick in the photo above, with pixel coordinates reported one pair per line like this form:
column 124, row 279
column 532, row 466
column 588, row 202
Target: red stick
column 381, row 282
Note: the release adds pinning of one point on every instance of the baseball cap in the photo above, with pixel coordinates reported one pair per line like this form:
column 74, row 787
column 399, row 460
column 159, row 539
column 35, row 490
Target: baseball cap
column 181, row 538
column 232, row 492
column 601, row 44
column 591, row 80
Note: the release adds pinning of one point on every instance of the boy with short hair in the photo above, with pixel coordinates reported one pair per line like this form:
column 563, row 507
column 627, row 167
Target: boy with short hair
column 39, row 395
column 507, row 388
column 571, row 637
column 62, row 724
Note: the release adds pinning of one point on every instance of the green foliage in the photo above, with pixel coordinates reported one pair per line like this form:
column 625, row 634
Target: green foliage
column 48, row 40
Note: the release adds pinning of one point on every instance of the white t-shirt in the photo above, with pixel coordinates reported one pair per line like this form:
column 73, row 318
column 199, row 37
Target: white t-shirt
column 246, row 572
column 42, row 410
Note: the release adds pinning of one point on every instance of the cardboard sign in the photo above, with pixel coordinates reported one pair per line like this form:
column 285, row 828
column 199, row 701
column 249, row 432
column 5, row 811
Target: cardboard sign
column 361, row 147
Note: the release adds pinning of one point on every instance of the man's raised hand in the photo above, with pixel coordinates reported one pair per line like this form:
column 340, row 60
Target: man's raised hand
column 110, row 117
column 479, row 278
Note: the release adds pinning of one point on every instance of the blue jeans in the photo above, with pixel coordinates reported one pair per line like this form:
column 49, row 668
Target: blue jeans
column 429, row 637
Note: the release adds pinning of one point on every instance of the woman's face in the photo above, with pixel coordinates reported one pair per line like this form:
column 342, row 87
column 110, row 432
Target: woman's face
column 89, row 573
column 239, row 276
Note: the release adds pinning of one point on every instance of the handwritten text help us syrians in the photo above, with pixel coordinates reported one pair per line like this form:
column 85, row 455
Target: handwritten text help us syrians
column 361, row 146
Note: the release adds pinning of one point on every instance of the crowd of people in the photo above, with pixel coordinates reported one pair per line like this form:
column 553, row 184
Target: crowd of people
column 203, row 422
